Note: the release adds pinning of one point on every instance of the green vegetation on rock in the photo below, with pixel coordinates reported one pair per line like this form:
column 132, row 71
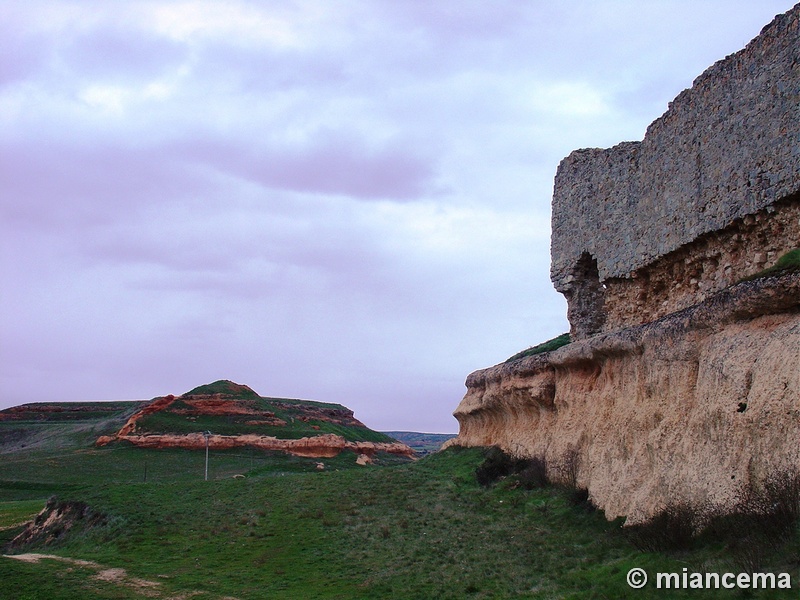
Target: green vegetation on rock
column 548, row 346
column 224, row 386
column 788, row 263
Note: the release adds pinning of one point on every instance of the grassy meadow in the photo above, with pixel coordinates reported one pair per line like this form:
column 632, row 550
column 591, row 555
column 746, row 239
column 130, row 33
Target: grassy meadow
column 420, row 530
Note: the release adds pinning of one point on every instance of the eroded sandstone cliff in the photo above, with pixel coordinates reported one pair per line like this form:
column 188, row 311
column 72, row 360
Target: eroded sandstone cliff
column 680, row 385
column 690, row 407
column 318, row 446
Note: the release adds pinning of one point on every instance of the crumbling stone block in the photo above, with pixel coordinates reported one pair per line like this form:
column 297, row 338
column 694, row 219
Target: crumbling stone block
column 707, row 196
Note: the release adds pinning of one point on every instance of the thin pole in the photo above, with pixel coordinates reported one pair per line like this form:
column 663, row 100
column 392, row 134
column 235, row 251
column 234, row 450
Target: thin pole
column 207, row 433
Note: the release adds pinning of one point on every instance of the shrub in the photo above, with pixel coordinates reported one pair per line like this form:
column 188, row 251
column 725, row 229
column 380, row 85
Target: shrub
column 671, row 529
column 530, row 473
column 496, row 465
column 766, row 512
column 579, row 497
column 773, row 505
column 765, row 515
column 533, row 473
column 568, row 467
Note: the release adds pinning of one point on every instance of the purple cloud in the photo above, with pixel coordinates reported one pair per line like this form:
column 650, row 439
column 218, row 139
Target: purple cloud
column 327, row 163
column 120, row 53
column 347, row 204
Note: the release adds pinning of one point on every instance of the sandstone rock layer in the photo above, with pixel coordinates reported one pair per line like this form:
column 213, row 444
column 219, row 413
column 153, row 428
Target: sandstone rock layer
column 321, row 446
column 690, row 407
column 709, row 195
column 249, row 421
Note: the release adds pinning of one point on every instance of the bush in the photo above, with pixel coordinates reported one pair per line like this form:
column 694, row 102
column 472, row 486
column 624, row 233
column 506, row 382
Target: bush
column 776, row 502
column 568, row 467
column 495, row 466
column 763, row 518
column 768, row 511
column 579, row 497
column 671, row 529
column 531, row 473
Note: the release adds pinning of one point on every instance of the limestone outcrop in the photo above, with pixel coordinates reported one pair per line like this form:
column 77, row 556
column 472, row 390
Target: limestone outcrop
column 682, row 381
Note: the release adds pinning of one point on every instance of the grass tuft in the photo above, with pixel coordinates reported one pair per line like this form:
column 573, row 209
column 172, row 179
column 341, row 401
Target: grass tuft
column 548, row 346
column 788, row 263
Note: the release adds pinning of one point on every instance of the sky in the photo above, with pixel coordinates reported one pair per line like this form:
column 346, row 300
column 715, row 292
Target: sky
column 336, row 200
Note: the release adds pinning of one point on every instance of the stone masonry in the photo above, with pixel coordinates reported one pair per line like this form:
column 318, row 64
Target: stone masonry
column 710, row 195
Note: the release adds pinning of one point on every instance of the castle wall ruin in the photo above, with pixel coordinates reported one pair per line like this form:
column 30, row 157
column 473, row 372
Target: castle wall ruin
column 709, row 196
column 682, row 383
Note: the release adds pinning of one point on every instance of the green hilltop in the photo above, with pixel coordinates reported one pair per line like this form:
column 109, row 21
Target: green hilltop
column 222, row 407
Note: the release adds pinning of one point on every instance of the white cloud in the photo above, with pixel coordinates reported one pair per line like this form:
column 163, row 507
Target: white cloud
column 567, row 99
column 240, row 21
column 106, row 98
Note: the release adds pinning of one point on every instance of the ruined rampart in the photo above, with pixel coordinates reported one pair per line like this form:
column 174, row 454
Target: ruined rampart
column 709, row 195
column 682, row 383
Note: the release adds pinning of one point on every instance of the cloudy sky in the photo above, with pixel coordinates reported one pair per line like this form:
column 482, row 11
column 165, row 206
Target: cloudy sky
column 337, row 200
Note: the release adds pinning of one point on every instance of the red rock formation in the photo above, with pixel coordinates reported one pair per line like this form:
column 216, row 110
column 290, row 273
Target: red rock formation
column 221, row 404
column 156, row 405
column 320, row 446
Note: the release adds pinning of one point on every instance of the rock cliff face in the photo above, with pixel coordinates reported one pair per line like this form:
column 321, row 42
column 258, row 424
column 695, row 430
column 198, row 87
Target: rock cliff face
column 680, row 384
column 690, row 407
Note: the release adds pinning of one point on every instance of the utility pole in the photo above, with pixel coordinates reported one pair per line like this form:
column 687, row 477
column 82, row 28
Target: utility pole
column 207, row 434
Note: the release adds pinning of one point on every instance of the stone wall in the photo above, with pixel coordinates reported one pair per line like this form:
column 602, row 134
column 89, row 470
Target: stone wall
column 712, row 262
column 726, row 149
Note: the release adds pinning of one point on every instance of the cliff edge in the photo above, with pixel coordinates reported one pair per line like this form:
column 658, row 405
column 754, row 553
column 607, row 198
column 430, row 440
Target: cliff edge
column 682, row 381
column 690, row 408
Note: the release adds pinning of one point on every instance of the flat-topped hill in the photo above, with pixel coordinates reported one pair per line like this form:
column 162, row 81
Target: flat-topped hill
column 228, row 408
column 222, row 414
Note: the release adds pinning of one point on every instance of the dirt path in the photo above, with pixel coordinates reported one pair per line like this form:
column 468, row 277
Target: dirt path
column 116, row 576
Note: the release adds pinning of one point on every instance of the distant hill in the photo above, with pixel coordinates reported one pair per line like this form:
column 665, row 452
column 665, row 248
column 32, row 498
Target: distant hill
column 61, row 425
column 222, row 414
column 421, row 443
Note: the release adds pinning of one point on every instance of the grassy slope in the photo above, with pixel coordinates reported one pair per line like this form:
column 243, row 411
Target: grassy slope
column 788, row 263
column 66, row 429
column 548, row 346
column 422, row 530
column 289, row 411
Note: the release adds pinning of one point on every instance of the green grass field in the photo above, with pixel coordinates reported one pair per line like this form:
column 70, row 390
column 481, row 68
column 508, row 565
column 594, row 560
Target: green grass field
column 419, row 530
